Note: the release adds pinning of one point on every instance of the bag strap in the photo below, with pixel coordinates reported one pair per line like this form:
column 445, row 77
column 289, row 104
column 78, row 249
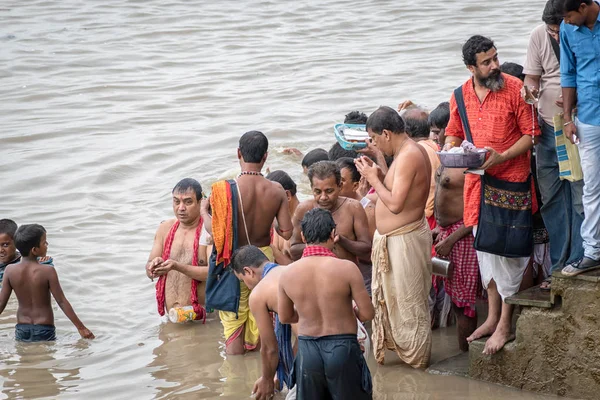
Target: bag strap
column 462, row 111
column 555, row 47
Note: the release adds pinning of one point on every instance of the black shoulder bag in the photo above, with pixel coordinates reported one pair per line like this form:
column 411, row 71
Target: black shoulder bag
column 505, row 226
column 555, row 47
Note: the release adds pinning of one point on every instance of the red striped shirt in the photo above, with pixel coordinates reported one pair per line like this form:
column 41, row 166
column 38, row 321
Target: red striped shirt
column 498, row 122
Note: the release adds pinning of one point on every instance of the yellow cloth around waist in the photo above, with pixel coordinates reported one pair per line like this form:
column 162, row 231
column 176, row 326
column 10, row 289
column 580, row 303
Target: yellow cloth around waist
column 234, row 325
column 268, row 251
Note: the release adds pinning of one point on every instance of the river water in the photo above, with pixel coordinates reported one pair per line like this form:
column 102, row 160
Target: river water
column 107, row 104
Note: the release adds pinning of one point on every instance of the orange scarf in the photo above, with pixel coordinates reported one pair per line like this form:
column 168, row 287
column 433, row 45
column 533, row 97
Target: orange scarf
column 222, row 221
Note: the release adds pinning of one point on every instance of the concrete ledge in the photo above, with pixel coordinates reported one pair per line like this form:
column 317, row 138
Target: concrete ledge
column 556, row 350
column 453, row 366
column 533, row 297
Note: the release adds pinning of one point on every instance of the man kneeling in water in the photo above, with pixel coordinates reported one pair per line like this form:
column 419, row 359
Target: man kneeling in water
column 251, row 266
column 317, row 292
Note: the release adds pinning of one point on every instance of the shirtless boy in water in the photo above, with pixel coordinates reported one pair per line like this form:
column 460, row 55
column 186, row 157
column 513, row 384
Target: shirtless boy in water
column 352, row 240
column 33, row 283
column 317, row 293
column 178, row 265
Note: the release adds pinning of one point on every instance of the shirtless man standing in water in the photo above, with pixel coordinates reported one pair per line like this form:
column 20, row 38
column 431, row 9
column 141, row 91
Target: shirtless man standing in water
column 402, row 243
column 352, row 240
column 177, row 266
column 455, row 243
column 317, row 293
column 263, row 204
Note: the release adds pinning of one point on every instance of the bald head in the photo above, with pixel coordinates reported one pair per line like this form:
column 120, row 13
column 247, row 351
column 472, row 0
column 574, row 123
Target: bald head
column 415, row 113
column 416, row 122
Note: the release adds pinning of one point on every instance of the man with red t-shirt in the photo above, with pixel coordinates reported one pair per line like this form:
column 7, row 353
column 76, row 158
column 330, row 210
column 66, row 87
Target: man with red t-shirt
column 503, row 123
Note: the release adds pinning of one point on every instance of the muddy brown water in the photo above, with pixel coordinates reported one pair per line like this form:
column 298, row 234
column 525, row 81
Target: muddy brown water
column 106, row 105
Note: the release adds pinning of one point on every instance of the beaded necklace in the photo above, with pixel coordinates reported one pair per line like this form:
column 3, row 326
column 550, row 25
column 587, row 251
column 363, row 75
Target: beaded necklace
column 255, row 173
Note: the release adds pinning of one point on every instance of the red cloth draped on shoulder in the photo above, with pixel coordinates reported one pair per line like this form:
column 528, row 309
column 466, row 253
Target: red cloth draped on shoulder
column 310, row 251
column 162, row 281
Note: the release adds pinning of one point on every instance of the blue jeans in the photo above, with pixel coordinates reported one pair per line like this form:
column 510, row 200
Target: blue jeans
column 562, row 208
column 34, row 333
column 589, row 151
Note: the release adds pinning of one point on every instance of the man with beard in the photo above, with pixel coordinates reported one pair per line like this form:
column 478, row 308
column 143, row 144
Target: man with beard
column 352, row 240
column 503, row 123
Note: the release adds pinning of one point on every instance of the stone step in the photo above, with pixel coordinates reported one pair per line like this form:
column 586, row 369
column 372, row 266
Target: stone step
column 532, row 297
column 457, row 365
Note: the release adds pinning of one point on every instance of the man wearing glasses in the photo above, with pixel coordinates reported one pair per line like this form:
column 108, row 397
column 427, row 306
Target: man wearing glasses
column 562, row 207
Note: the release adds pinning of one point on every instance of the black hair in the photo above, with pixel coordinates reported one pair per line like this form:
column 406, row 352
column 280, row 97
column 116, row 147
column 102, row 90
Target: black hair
column 552, row 15
column 314, row 156
column 513, row 69
column 337, row 151
column 323, row 170
column 416, row 127
column 284, row 179
column 440, row 116
column 186, row 184
column 388, row 160
column 475, row 45
column 355, row 117
column 253, row 146
column 9, row 227
column 317, row 225
column 27, row 237
column 385, row 118
column 571, row 5
column 247, row 256
column 347, row 162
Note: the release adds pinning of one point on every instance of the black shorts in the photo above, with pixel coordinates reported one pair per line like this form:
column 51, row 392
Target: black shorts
column 34, row 333
column 331, row 367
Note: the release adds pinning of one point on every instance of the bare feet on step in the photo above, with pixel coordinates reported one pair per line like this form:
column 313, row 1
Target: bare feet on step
column 484, row 330
column 497, row 341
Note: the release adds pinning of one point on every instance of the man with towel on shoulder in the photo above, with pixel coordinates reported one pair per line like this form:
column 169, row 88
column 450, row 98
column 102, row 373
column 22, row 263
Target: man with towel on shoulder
column 179, row 254
column 402, row 243
column 243, row 211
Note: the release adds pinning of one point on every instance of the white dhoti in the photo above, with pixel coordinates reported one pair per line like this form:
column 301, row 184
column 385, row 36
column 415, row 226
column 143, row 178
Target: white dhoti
column 506, row 272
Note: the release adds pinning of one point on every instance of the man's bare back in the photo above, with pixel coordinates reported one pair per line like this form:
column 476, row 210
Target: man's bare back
column 322, row 289
column 412, row 165
column 177, row 289
column 449, row 205
column 264, row 201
